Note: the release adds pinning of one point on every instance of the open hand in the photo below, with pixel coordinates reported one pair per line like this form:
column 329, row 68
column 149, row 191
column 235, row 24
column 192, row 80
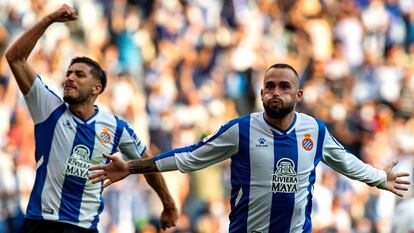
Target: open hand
column 394, row 182
column 114, row 171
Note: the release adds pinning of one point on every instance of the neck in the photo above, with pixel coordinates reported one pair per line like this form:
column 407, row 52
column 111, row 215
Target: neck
column 83, row 111
column 283, row 123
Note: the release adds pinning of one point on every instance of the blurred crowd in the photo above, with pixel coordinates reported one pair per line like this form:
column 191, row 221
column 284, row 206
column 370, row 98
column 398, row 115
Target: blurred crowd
column 178, row 69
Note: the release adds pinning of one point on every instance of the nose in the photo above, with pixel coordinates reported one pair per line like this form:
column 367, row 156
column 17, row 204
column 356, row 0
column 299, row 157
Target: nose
column 70, row 76
column 276, row 92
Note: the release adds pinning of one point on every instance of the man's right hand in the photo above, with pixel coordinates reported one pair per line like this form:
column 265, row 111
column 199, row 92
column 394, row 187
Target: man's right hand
column 63, row 14
column 114, row 171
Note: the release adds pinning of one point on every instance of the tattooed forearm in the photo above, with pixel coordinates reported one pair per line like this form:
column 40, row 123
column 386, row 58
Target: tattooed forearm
column 146, row 165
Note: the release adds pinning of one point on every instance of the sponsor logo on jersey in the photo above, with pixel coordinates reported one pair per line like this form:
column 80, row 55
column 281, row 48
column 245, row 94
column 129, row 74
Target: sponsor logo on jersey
column 261, row 142
column 79, row 162
column 284, row 180
column 105, row 137
column 307, row 142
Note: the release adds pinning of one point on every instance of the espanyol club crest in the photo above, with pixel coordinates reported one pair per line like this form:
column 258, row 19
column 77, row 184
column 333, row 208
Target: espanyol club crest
column 307, row 142
column 105, row 137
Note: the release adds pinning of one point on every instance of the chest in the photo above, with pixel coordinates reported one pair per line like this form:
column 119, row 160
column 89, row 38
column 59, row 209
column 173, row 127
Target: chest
column 292, row 152
column 84, row 139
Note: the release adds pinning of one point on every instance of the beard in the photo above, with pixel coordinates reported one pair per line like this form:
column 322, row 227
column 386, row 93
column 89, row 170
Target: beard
column 75, row 100
column 278, row 112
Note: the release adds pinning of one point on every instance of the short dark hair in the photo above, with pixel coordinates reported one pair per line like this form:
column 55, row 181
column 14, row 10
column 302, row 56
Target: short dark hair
column 96, row 69
column 284, row 66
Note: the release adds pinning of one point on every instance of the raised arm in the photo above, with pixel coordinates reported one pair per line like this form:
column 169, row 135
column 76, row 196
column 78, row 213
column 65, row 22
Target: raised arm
column 20, row 50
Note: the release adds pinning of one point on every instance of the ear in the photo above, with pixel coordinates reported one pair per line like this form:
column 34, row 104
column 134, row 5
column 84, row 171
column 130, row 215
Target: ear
column 299, row 95
column 97, row 89
column 261, row 93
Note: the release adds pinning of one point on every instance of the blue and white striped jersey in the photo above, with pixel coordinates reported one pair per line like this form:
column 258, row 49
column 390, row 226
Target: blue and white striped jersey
column 66, row 146
column 272, row 171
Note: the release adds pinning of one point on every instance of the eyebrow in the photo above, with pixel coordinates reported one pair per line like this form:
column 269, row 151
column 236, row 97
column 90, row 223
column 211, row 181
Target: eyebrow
column 283, row 81
column 75, row 71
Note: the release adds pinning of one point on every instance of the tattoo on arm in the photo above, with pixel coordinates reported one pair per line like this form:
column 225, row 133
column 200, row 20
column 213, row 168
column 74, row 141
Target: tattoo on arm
column 146, row 165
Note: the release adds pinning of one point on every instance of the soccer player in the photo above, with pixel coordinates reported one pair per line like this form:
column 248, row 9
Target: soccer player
column 71, row 134
column 274, row 157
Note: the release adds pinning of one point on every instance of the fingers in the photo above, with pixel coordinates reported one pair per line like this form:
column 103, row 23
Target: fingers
column 106, row 184
column 110, row 157
column 103, row 166
column 403, row 174
column 96, row 175
column 64, row 13
column 403, row 182
column 397, row 193
column 97, row 167
column 400, row 187
column 394, row 163
column 69, row 10
column 167, row 224
column 99, row 177
column 96, row 178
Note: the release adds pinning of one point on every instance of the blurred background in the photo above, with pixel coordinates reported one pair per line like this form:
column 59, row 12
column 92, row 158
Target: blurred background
column 178, row 69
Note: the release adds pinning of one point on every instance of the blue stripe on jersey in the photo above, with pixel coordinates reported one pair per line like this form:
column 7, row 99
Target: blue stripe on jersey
column 132, row 134
column 73, row 186
column 118, row 132
column 286, row 152
column 240, row 179
column 44, row 133
column 307, row 226
column 194, row 147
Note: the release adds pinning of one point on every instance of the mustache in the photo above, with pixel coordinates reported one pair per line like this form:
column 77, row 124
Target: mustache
column 276, row 99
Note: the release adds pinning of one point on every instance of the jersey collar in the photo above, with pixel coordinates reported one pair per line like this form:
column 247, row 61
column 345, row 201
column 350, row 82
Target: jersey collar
column 87, row 121
column 280, row 131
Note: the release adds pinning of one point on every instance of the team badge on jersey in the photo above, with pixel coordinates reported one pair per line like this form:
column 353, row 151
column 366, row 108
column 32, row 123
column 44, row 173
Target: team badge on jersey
column 105, row 137
column 284, row 180
column 307, row 142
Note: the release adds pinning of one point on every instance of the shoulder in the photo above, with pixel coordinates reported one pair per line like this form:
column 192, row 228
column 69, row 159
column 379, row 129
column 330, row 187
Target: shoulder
column 111, row 120
column 242, row 120
column 307, row 119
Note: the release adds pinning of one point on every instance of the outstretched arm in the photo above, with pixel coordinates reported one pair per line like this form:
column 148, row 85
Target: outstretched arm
column 335, row 156
column 118, row 169
column 20, row 50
